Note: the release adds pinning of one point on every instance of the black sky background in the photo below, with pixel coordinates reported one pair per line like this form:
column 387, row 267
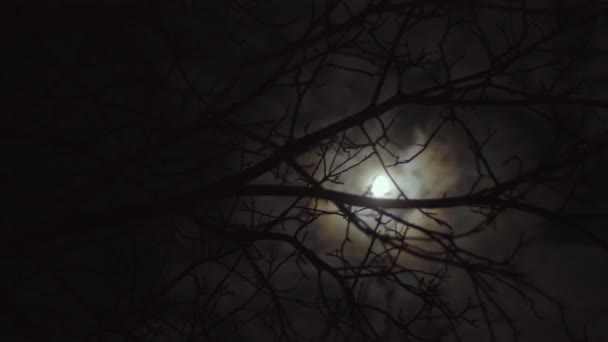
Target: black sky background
column 98, row 116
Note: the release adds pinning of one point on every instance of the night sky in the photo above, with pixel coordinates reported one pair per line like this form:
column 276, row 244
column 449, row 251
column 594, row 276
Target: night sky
column 178, row 170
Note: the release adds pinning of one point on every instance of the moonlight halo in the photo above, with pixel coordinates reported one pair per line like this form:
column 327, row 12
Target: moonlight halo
column 381, row 186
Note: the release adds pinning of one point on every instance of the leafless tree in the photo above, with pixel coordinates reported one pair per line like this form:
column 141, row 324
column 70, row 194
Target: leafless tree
column 312, row 170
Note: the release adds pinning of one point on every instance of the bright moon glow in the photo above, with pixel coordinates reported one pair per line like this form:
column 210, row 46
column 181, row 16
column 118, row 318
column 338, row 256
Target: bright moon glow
column 381, row 186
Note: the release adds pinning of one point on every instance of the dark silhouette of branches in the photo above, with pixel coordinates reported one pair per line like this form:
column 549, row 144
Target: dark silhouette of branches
column 204, row 171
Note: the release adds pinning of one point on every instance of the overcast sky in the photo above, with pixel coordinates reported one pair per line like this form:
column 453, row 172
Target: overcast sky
column 116, row 105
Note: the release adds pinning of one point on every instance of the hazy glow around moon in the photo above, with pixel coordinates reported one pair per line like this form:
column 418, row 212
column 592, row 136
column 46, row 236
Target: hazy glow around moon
column 381, row 186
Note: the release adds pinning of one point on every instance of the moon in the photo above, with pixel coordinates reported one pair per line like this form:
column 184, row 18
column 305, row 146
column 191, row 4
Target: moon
column 381, row 186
